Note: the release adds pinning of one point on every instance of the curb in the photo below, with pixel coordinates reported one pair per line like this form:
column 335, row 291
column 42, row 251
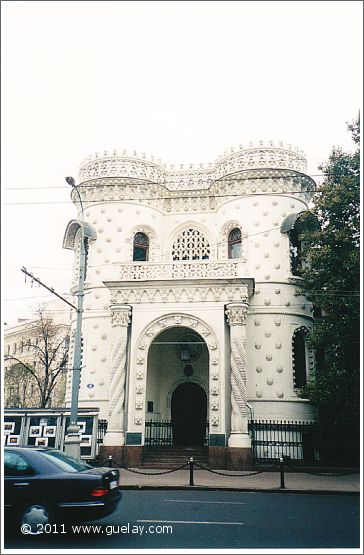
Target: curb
column 227, row 488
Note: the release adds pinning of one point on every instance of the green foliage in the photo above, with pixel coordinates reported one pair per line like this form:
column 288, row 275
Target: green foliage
column 332, row 283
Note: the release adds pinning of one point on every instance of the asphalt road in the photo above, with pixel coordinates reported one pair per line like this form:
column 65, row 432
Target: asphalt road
column 188, row 519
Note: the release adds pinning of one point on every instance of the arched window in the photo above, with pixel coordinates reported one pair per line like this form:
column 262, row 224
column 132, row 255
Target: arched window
column 234, row 243
column 296, row 225
column 191, row 245
column 295, row 248
column 299, row 357
column 141, row 247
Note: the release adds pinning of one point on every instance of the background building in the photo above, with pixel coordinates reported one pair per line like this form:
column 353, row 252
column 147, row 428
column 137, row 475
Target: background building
column 24, row 343
column 192, row 314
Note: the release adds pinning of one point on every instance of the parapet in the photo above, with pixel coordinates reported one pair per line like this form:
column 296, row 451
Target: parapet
column 253, row 156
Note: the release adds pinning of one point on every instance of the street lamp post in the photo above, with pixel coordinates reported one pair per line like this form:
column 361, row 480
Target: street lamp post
column 72, row 439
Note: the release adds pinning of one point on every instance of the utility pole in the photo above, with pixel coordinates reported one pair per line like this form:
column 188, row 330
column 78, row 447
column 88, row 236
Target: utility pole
column 72, row 440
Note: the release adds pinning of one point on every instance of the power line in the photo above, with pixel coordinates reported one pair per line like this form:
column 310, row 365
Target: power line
column 163, row 183
column 143, row 199
column 33, row 278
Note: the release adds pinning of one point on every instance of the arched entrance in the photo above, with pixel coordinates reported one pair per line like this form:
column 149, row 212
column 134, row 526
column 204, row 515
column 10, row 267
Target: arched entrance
column 188, row 414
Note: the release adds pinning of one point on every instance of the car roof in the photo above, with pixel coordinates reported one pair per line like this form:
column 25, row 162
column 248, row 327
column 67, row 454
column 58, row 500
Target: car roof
column 28, row 447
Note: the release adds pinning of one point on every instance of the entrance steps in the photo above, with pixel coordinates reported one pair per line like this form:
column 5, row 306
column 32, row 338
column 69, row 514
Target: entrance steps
column 171, row 457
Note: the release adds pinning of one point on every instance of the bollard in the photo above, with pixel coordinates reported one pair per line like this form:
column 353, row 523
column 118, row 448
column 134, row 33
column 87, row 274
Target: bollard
column 281, row 466
column 110, row 461
column 191, row 463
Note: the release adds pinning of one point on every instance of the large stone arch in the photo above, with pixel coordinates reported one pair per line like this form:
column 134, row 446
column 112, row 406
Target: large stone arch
column 215, row 356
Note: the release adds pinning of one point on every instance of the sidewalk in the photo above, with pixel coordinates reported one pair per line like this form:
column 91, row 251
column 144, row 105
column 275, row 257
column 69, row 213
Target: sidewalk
column 265, row 481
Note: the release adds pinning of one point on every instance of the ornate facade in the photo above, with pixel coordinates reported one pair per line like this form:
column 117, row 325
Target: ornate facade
column 193, row 260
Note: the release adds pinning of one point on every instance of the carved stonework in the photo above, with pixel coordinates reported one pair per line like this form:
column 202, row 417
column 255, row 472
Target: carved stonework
column 239, row 410
column 137, row 295
column 236, row 314
column 117, row 385
column 120, row 316
column 189, row 245
column 258, row 155
column 146, row 339
column 180, row 269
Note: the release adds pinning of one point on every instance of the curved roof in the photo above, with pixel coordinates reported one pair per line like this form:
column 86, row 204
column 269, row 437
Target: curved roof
column 302, row 221
column 71, row 231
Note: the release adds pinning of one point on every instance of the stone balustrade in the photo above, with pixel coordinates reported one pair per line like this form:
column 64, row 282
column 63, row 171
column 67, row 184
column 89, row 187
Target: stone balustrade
column 191, row 269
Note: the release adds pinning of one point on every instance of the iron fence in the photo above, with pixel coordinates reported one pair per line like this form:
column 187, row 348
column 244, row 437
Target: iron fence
column 101, row 431
column 273, row 439
column 159, row 432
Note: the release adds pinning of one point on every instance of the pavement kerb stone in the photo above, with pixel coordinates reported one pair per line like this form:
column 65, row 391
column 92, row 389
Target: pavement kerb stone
column 227, row 488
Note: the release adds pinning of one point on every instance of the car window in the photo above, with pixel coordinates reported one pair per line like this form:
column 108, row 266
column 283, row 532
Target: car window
column 16, row 465
column 64, row 462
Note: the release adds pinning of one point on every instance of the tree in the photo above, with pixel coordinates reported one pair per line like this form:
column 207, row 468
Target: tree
column 331, row 283
column 43, row 358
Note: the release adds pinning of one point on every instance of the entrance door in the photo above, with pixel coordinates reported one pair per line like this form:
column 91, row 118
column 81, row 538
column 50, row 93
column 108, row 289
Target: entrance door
column 188, row 411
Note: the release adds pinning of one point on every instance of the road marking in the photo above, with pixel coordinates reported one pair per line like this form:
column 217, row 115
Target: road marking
column 219, row 502
column 191, row 522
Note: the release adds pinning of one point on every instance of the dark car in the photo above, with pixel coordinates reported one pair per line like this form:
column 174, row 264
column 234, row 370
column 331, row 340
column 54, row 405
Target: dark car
column 46, row 486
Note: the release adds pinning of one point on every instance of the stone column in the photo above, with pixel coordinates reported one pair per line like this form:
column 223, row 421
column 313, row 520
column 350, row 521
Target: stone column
column 236, row 317
column 120, row 319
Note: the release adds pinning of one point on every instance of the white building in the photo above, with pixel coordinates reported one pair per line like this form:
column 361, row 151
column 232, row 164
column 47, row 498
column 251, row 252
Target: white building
column 190, row 314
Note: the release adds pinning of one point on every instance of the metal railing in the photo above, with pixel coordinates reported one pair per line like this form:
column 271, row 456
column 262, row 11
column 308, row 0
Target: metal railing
column 159, row 432
column 273, row 439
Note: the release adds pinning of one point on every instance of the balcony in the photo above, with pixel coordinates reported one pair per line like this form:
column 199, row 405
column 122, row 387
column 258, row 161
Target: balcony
column 189, row 269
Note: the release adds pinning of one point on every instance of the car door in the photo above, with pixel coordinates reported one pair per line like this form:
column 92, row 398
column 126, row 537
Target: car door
column 19, row 481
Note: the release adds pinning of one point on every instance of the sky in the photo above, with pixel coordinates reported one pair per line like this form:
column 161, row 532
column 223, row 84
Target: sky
column 183, row 81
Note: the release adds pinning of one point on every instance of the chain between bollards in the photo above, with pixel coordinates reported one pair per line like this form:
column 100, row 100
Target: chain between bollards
column 191, row 463
column 281, row 466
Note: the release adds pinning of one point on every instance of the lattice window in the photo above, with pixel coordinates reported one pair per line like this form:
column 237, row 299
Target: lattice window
column 191, row 245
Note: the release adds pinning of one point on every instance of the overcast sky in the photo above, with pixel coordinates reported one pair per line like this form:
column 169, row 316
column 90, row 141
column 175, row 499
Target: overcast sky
column 183, row 81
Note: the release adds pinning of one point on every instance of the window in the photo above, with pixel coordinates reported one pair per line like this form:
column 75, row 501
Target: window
column 64, row 462
column 299, row 357
column 296, row 226
column 191, row 245
column 16, row 465
column 141, row 247
column 150, row 406
column 295, row 248
column 234, row 243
